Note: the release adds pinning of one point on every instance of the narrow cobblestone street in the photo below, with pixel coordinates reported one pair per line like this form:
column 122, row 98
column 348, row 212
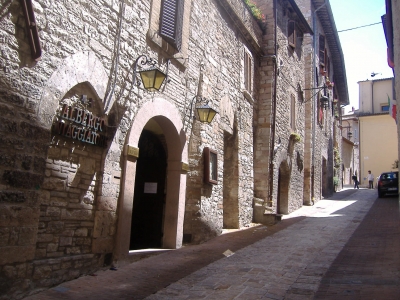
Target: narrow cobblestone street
column 344, row 247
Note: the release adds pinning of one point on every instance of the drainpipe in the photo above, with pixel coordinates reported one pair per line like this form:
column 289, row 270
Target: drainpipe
column 273, row 123
column 313, row 102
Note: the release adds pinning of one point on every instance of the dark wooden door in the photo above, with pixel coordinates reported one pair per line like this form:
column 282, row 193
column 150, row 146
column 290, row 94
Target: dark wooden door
column 149, row 195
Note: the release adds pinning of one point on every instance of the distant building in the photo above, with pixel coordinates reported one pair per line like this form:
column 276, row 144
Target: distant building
column 377, row 128
column 350, row 148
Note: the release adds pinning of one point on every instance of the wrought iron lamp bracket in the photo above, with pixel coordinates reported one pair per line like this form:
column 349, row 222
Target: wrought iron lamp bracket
column 147, row 63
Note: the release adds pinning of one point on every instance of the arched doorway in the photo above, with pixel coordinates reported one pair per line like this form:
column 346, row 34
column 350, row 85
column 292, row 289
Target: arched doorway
column 163, row 120
column 149, row 194
column 282, row 205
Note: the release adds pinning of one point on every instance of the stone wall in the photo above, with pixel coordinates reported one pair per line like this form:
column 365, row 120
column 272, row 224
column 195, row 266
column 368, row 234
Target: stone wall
column 289, row 156
column 49, row 185
column 222, row 64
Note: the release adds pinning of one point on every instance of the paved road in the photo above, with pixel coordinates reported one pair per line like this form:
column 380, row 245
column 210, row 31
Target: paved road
column 339, row 248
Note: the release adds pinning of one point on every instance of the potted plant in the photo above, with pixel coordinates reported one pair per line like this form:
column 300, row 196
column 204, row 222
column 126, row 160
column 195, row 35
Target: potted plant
column 335, row 182
column 295, row 137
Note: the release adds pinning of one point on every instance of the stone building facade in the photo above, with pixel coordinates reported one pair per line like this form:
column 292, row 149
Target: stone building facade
column 303, row 71
column 93, row 166
column 350, row 148
column 324, row 163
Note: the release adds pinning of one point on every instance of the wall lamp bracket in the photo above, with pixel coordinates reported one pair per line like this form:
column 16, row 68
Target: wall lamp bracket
column 152, row 77
column 204, row 113
column 324, row 100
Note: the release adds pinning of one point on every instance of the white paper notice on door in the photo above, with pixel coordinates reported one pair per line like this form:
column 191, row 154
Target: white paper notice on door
column 150, row 187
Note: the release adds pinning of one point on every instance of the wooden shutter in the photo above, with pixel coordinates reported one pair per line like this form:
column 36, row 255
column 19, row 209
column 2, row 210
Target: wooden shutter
column 171, row 22
column 31, row 28
column 321, row 50
column 292, row 33
column 247, row 72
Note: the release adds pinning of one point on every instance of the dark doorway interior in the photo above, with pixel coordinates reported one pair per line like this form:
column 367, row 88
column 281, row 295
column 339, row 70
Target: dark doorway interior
column 231, row 182
column 282, row 205
column 149, row 194
column 324, row 176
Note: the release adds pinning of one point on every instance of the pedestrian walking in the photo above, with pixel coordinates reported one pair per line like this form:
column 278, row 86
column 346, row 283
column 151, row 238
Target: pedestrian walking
column 370, row 179
column 354, row 177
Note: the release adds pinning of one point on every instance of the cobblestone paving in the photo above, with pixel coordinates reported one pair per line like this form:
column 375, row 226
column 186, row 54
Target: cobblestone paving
column 317, row 252
column 287, row 265
column 369, row 265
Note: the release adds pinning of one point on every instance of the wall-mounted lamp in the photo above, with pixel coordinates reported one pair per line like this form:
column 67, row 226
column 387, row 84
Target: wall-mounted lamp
column 324, row 100
column 349, row 133
column 204, row 113
column 152, row 77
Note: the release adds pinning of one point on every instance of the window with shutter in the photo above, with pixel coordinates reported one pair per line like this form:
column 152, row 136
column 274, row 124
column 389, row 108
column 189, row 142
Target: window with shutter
column 292, row 33
column 171, row 20
column 321, row 50
column 248, row 67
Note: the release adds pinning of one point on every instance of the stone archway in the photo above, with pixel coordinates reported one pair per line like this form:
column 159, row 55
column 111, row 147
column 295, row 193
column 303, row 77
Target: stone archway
column 78, row 160
column 166, row 115
column 78, row 68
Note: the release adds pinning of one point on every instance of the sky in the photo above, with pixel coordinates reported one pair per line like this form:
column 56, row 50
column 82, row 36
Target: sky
column 364, row 49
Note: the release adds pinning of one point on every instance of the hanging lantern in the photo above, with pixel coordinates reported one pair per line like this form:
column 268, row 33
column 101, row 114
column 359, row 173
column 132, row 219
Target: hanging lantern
column 152, row 79
column 205, row 113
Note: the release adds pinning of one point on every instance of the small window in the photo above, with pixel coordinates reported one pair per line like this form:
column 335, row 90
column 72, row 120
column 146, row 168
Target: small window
column 322, row 50
column 171, row 19
column 248, row 71
column 292, row 112
column 292, row 33
column 210, row 166
column 384, row 107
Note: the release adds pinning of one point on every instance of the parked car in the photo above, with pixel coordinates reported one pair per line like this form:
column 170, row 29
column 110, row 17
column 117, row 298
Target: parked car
column 388, row 183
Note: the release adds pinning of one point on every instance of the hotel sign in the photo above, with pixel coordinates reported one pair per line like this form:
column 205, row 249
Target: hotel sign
column 80, row 124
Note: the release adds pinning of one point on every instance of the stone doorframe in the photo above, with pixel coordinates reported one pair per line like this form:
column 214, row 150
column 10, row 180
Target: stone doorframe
column 169, row 119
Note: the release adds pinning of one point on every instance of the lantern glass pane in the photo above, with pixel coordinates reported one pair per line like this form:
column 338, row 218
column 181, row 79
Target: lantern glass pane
column 203, row 113
column 152, row 79
column 159, row 79
column 211, row 115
